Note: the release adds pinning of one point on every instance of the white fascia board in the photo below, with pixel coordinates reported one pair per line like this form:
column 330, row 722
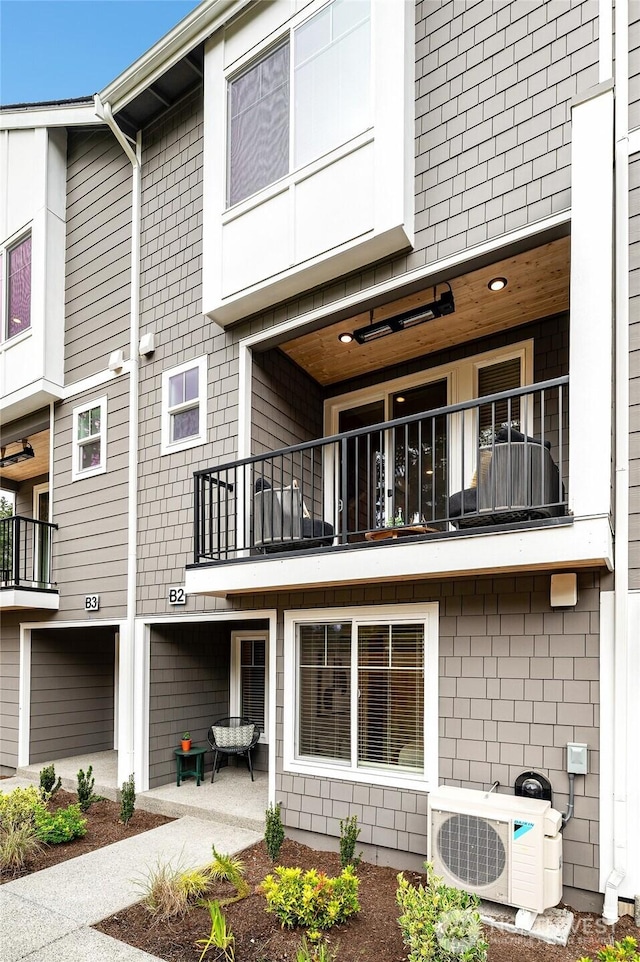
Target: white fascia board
column 30, row 398
column 207, row 17
column 16, row 599
column 584, row 543
column 64, row 115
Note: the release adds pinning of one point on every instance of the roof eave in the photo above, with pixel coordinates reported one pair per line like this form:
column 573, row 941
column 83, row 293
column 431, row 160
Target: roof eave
column 196, row 27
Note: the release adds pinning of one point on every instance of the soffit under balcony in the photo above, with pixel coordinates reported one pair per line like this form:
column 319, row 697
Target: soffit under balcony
column 33, row 467
column 537, row 287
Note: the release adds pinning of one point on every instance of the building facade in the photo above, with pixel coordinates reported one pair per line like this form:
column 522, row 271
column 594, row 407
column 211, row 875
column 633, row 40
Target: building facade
column 320, row 364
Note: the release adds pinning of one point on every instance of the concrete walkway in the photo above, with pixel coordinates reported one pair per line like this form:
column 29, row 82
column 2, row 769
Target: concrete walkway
column 45, row 917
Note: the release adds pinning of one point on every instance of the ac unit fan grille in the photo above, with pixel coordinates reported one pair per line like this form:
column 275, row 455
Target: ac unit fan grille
column 471, row 849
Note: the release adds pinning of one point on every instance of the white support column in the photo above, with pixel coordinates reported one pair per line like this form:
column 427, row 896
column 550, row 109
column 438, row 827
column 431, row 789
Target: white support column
column 591, row 324
column 126, row 702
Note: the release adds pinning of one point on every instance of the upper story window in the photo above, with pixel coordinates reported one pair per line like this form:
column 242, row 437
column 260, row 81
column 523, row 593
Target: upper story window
column 89, row 439
column 184, row 407
column 15, row 287
column 300, row 100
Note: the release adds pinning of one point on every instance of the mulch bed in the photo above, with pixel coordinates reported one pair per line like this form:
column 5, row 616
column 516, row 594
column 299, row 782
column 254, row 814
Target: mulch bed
column 371, row 936
column 103, row 828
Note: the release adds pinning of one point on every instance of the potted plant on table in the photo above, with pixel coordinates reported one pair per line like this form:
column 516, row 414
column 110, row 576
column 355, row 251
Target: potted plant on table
column 186, row 742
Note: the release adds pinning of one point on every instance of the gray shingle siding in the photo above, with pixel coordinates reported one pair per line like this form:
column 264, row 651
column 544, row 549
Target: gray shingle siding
column 518, row 680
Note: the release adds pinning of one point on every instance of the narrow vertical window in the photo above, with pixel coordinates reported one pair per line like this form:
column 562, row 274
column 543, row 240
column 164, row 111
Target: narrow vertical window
column 19, row 287
column 252, row 680
column 89, row 439
column 184, row 406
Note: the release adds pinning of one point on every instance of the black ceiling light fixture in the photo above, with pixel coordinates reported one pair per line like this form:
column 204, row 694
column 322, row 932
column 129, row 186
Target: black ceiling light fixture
column 497, row 283
column 439, row 307
column 24, row 455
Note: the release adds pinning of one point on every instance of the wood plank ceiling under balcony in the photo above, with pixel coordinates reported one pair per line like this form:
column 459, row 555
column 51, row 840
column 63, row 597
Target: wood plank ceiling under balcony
column 537, row 287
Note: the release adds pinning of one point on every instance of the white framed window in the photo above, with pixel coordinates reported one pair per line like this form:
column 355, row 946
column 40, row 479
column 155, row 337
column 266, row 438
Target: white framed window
column 300, row 100
column 249, row 695
column 184, row 406
column 364, row 684
column 89, row 439
column 15, row 287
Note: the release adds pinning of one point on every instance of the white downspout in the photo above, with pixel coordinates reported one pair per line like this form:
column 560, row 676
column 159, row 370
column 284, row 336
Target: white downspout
column 621, row 515
column 128, row 763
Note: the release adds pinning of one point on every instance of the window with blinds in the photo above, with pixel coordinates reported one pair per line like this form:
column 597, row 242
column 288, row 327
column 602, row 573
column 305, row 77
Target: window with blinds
column 252, row 680
column 387, row 678
column 324, row 691
column 493, row 379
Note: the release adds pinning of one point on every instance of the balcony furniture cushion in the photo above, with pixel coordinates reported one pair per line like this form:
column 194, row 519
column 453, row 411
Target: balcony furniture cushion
column 506, row 434
column 232, row 736
column 282, row 521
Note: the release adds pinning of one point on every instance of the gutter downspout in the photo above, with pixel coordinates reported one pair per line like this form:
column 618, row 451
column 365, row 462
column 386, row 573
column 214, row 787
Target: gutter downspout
column 621, row 509
column 127, row 761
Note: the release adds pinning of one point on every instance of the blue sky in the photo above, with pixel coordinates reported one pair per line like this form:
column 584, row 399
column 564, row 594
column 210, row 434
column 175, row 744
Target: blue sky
column 60, row 49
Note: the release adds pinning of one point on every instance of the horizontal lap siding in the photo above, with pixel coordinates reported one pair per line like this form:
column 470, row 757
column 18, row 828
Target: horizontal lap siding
column 90, row 545
column 98, row 252
column 634, row 65
column 9, row 690
column 188, row 689
column 72, row 692
column 634, row 373
column 518, row 680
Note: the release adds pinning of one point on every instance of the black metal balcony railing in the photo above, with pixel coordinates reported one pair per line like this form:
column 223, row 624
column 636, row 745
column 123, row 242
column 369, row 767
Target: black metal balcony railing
column 25, row 553
column 494, row 460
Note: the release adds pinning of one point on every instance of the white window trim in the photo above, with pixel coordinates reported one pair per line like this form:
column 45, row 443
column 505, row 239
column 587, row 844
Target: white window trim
column 76, row 473
column 426, row 613
column 5, row 249
column 234, row 694
column 184, row 444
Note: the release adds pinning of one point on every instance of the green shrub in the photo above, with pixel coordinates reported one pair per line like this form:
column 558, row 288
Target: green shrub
column 624, row 951
column 86, row 798
column 220, row 937
column 168, row 892
column 439, row 923
column 61, row 826
column 127, row 800
column 349, row 833
column 48, row 784
column 311, row 899
column 229, row 868
column 273, row 831
column 18, row 842
column 18, row 807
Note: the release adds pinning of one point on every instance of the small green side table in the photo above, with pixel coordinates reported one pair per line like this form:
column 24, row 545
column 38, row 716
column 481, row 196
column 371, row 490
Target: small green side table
column 183, row 759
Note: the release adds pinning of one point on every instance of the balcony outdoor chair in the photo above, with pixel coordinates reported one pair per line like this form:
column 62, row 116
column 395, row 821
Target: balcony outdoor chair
column 232, row 736
column 282, row 521
column 516, row 480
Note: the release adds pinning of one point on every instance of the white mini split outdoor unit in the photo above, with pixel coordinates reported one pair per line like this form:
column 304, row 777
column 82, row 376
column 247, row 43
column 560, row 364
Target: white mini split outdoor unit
column 503, row 848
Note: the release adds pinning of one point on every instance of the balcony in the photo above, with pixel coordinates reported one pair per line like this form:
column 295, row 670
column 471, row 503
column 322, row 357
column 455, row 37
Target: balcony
column 436, row 488
column 26, row 579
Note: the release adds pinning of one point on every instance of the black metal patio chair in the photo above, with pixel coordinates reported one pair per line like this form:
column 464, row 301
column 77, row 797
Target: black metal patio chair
column 232, row 736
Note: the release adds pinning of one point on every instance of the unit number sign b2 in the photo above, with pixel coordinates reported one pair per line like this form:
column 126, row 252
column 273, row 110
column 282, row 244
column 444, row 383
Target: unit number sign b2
column 177, row 596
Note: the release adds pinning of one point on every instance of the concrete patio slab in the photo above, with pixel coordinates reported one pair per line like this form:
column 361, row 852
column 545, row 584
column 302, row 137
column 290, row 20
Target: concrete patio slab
column 27, row 927
column 85, row 944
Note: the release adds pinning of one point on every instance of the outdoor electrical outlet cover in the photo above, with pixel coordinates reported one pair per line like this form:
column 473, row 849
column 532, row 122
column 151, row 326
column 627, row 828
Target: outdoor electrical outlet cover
column 576, row 758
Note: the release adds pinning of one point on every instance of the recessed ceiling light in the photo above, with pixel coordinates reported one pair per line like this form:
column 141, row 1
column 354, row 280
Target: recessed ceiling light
column 497, row 283
column 400, row 398
column 345, row 338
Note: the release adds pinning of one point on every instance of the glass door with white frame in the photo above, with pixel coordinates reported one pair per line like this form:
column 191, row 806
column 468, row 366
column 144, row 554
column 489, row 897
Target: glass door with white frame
column 42, row 536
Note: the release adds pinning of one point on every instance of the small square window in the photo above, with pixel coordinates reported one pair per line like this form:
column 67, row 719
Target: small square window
column 89, row 440
column 184, row 406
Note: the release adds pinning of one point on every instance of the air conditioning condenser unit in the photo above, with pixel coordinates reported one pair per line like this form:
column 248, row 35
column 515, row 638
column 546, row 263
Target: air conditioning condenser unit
column 503, row 848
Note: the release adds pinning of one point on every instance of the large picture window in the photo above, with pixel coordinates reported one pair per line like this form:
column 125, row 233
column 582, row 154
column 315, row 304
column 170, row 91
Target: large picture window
column 365, row 692
column 319, row 102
